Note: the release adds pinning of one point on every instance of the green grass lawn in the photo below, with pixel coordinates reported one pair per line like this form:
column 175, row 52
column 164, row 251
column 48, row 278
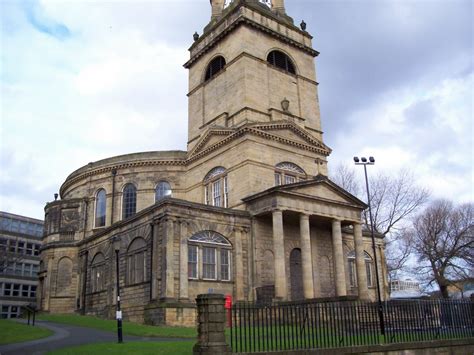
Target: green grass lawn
column 128, row 327
column 155, row 348
column 13, row 332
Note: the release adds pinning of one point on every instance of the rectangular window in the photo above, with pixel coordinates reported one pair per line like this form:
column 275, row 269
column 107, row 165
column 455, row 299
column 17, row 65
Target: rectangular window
column 23, row 227
column 192, row 262
column 7, row 290
column 225, row 265
column 368, row 269
column 206, row 195
column 209, row 263
column 226, row 193
column 216, row 193
column 25, row 291
column 277, row 179
column 18, row 269
column 29, row 249
column 352, row 273
column 32, row 291
column 12, row 244
column 37, row 248
column 21, row 248
column 3, row 244
column 16, row 290
column 34, row 271
column 289, row 179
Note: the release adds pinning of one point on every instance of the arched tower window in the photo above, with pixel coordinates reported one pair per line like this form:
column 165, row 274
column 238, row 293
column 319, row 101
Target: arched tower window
column 163, row 189
column 209, row 256
column 288, row 173
column 216, row 187
column 136, row 261
column 129, row 201
column 214, row 67
column 100, row 208
column 282, row 61
column 98, row 279
column 369, row 267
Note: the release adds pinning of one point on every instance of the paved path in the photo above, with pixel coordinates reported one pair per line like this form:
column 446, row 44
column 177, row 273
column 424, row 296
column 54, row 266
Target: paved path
column 68, row 335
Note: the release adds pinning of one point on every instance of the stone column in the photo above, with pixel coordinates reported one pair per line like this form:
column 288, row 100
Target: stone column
column 308, row 286
column 360, row 263
column 183, row 261
column 239, row 266
column 279, row 256
column 169, row 267
column 338, row 256
column 211, row 325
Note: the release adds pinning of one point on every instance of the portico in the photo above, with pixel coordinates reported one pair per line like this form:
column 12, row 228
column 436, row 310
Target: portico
column 313, row 203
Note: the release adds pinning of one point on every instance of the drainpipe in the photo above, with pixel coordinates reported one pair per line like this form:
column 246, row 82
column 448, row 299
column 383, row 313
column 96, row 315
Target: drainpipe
column 114, row 173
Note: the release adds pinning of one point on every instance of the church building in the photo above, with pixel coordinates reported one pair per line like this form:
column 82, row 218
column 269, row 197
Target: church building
column 247, row 210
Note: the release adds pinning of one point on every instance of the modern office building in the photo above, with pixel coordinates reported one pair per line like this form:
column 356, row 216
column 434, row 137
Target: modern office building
column 20, row 242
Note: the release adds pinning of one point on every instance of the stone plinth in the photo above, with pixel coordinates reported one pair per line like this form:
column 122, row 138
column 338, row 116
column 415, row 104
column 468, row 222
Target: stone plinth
column 211, row 325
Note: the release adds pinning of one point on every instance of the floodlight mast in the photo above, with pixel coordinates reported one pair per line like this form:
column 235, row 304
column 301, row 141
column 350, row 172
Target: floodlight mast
column 363, row 161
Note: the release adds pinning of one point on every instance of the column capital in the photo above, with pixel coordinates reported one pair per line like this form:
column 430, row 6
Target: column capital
column 304, row 214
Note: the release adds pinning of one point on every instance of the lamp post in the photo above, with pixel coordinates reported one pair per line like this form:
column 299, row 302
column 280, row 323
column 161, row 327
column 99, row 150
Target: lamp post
column 116, row 244
column 363, row 161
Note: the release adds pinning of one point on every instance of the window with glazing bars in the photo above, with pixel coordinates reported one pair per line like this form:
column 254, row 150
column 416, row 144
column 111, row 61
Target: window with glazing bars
column 129, row 201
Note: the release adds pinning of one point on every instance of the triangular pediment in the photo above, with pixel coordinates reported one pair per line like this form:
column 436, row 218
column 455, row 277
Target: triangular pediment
column 284, row 132
column 295, row 134
column 211, row 138
column 319, row 187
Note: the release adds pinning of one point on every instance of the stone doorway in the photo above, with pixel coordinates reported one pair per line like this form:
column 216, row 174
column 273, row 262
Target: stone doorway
column 296, row 275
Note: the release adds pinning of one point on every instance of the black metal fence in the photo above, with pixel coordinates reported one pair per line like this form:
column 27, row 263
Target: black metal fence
column 313, row 325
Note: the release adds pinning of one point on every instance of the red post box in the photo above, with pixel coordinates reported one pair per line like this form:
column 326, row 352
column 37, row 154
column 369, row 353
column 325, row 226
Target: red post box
column 228, row 307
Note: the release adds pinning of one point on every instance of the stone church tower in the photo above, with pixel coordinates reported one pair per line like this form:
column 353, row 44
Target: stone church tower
column 247, row 210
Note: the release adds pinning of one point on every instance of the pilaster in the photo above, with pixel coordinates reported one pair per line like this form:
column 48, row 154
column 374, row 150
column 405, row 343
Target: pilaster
column 183, row 261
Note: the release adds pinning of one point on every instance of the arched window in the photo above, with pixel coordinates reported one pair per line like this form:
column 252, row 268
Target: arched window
column 98, row 279
column 209, row 256
column 214, row 67
column 100, row 208
column 163, row 189
column 216, row 188
column 288, row 173
column 129, row 201
column 136, row 261
column 282, row 61
column 369, row 266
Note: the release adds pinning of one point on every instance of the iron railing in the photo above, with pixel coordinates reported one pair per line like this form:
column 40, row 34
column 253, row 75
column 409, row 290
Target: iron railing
column 314, row 325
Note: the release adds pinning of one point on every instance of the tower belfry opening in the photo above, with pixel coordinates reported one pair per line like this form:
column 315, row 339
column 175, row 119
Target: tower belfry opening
column 246, row 210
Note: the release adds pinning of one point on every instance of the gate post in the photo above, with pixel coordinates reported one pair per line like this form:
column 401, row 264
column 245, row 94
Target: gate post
column 211, row 325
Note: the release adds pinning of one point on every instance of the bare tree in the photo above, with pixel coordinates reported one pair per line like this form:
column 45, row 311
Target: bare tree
column 443, row 241
column 393, row 200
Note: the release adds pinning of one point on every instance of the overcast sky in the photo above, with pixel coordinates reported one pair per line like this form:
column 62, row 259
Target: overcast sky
column 86, row 80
